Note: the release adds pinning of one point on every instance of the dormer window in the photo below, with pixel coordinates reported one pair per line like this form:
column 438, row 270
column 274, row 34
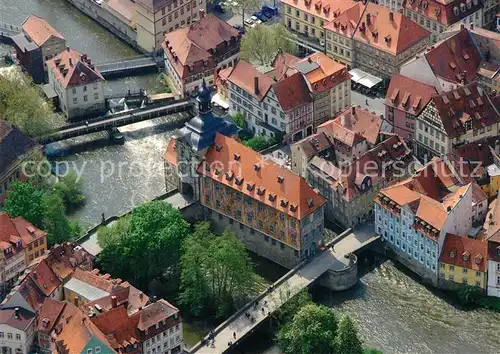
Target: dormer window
column 256, row 167
column 272, row 198
column 293, row 208
column 229, row 175
column 218, row 171
column 452, row 254
column 310, row 203
column 191, row 68
column 205, row 62
column 18, row 244
column 218, row 147
column 478, row 259
column 237, row 157
column 239, row 181
column 284, row 203
column 280, row 179
column 465, row 256
column 250, row 186
column 261, row 191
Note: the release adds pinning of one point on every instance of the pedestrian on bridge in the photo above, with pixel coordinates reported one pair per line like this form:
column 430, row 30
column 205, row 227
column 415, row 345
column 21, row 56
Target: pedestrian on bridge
column 234, row 335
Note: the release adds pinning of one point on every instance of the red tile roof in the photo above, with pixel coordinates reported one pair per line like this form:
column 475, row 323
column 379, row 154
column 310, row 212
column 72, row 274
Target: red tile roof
column 464, row 104
column 443, row 12
column 276, row 181
column 377, row 29
column 17, row 229
column 292, row 92
column 46, row 280
column 326, row 75
column 194, row 44
column 171, row 155
column 408, row 95
column 455, row 58
column 21, row 322
column 492, row 223
column 346, row 23
column 49, row 314
column 464, row 252
column 314, row 144
column 283, row 63
column 39, row 30
column 243, row 75
column 99, row 281
column 74, row 69
column 155, row 313
column 327, row 10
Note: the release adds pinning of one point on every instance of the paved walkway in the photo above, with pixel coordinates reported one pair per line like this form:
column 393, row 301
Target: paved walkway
column 330, row 259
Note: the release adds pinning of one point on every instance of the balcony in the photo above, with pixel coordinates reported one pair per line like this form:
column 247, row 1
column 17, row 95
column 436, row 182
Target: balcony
column 309, row 42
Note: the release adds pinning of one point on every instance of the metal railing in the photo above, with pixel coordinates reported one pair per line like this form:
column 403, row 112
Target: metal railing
column 126, row 64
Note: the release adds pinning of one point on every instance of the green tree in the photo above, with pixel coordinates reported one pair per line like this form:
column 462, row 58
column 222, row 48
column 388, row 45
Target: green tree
column 347, row 340
column 312, row 330
column 258, row 143
column 216, row 273
column 286, row 312
column 372, row 351
column 262, row 43
column 239, row 120
column 22, row 105
column 149, row 249
column 55, row 222
column 242, row 7
column 26, row 200
column 69, row 188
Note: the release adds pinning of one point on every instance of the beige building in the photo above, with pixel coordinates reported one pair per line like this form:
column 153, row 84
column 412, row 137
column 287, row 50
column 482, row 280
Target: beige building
column 374, row 39
column 306, row 19
column 193, row 54
column 154, row 18
column 437, row 15
column 78, row 84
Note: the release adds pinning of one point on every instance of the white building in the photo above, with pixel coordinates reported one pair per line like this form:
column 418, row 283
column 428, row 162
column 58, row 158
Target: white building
column 414, row 216
column 78, row 84
column 270, row 108
column 17, row 330
column 437, row 15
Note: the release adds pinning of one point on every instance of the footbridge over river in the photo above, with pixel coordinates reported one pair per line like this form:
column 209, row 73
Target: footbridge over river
column 335, row 257
column 118, row 120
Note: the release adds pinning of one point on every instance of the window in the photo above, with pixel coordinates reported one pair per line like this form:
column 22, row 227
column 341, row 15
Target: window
column 89, row 351
column 9, row 335
column 452, row 268
column 465, row 270
column 18, row 336
column 478, row 274
column 96, row 96
column 1, row 335
column 74, row 91
column 97, row 349
column 85, row 98
column 84, row 88
column 75, row 100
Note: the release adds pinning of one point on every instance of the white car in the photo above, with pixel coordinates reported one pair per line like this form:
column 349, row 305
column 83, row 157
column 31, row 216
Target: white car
column 256, row 20
column 249, row 22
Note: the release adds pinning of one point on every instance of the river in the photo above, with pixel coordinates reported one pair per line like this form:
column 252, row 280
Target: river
column 395, row 313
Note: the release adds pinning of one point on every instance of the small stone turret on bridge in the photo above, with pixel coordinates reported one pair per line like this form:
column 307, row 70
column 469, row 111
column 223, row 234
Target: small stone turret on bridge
column 335, row 258
column 7, row 31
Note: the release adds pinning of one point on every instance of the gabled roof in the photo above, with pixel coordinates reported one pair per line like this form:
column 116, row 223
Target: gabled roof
column 17, row 229
column 155, row 313
column 408, row 95
column 170, row 155
column 492, row 222
column 49, row 314
column 292, row 92
column 21, row 321
column 464, row 252
column 119, row 328
column 275, row 182
column 74, row 69
column 387, row 30
column 455, row 58
column 283, row 64
column 46, row 280
column 13, row 145
column 39, row 30
column 443, row 11
column 243, row 75
column 346, row 23
column 314, row 144
column 466, row 104
column 326, row 10
column 195, row 42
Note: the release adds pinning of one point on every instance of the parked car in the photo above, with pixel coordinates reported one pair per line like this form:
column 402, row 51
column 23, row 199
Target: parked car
column 260, row 16
column 219, row 8
column 249, row 22
column 270, row 10
column 239, row 28
column 256, row 20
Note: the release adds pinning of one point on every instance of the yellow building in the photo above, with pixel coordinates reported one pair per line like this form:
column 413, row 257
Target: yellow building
column 273, row 210
column 307, row 17
column 491, row 189
column 463, row 261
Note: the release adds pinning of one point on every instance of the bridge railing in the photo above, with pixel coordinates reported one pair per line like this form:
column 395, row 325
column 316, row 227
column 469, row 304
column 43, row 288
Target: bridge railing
column 126, row 64
column 262, row 295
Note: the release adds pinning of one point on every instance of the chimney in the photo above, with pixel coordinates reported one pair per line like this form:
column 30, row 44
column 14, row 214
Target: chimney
column 345, row 121
column 70, row 62
column 353, row 110
column 256, row 85
column 391, row 16
column 114, row 301
column 16, row 312
column 368, row 19
column 201, row 12
column 67, row 49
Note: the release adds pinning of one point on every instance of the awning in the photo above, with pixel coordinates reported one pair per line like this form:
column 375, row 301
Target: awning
column 363, row 78
column 217, row 99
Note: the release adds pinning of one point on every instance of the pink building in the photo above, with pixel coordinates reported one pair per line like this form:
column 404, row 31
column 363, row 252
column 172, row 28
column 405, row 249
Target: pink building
column 405, row 99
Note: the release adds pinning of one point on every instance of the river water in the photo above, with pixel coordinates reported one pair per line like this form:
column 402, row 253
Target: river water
column 395, row 313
